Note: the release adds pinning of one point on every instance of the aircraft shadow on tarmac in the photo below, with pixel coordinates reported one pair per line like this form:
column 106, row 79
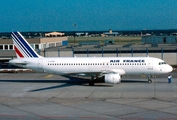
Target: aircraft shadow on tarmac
column 133, row 81
column 67, row 83
column 73, row 81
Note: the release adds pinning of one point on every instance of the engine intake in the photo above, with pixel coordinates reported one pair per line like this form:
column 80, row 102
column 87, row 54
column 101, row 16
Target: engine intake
column 112, row 78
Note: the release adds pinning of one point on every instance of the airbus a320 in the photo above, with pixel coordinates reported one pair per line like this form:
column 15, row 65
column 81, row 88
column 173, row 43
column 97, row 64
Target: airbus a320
column 110, row 69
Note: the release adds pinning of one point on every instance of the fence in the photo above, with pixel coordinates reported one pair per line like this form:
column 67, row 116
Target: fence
column 167, row 54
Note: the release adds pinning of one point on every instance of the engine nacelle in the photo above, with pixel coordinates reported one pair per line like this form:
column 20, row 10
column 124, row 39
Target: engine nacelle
column 112, row 78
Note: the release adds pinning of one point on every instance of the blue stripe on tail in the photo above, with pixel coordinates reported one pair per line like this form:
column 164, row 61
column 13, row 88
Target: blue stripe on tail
column 25, row 46
column 21, row 46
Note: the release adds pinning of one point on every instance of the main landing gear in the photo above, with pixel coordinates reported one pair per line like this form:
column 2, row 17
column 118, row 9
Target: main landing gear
column 92, row 82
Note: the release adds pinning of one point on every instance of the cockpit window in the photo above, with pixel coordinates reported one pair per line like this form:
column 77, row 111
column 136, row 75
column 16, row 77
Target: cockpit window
column 162, row 63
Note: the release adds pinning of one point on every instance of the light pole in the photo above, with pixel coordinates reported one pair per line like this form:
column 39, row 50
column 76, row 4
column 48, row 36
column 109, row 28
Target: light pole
column 74, row 32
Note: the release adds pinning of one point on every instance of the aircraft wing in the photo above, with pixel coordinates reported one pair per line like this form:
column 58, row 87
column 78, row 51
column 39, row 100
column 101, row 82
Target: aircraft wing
column 100, row 73
column 116, row 71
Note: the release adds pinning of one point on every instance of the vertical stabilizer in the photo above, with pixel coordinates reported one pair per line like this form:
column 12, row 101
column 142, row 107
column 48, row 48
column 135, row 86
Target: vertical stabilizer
column 22, row 47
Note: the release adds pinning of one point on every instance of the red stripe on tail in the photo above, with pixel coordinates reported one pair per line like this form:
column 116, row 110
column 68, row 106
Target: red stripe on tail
column 18, row 52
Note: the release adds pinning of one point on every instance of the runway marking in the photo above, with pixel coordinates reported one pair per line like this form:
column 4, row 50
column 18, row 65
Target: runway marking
column 12, row 116
column 52, row 116
column 92, row 117
column 48, row 76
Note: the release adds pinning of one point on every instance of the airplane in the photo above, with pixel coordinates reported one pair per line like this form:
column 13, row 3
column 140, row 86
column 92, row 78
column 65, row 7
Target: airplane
column 109, row 69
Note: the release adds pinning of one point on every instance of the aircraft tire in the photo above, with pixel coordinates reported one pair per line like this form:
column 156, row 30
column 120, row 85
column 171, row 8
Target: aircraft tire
column 91, row 83
column 149, row 81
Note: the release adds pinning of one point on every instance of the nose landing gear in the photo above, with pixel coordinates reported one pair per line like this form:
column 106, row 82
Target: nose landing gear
column 149, row 78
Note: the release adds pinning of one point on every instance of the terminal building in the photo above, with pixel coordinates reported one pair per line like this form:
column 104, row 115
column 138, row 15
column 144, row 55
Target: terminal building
column 36, row 43
column 50, row 40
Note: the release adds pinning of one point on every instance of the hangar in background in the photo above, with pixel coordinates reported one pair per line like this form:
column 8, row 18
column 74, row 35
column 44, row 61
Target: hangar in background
column 36, row 43
column 155, row 40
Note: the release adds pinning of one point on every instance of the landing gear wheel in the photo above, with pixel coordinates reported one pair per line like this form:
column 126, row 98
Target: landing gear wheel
column 149, row 78
column 91, row 83
column 149, row 81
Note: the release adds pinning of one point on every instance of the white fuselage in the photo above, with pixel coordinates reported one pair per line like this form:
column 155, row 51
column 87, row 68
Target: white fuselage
column 89, row 65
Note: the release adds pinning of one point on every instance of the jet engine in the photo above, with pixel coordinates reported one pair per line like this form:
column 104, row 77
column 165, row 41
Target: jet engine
column 112, row 78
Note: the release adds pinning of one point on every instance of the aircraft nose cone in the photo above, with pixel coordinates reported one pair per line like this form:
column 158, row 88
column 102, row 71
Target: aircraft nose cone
column 170, row 68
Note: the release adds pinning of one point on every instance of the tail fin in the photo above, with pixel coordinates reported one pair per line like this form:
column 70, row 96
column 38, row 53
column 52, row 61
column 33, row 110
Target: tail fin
column 22, row 47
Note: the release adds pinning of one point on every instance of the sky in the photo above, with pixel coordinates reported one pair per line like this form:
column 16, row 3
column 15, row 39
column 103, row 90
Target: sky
column 87, row 15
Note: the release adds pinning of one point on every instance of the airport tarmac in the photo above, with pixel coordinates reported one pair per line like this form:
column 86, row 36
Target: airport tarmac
column 42, row 96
